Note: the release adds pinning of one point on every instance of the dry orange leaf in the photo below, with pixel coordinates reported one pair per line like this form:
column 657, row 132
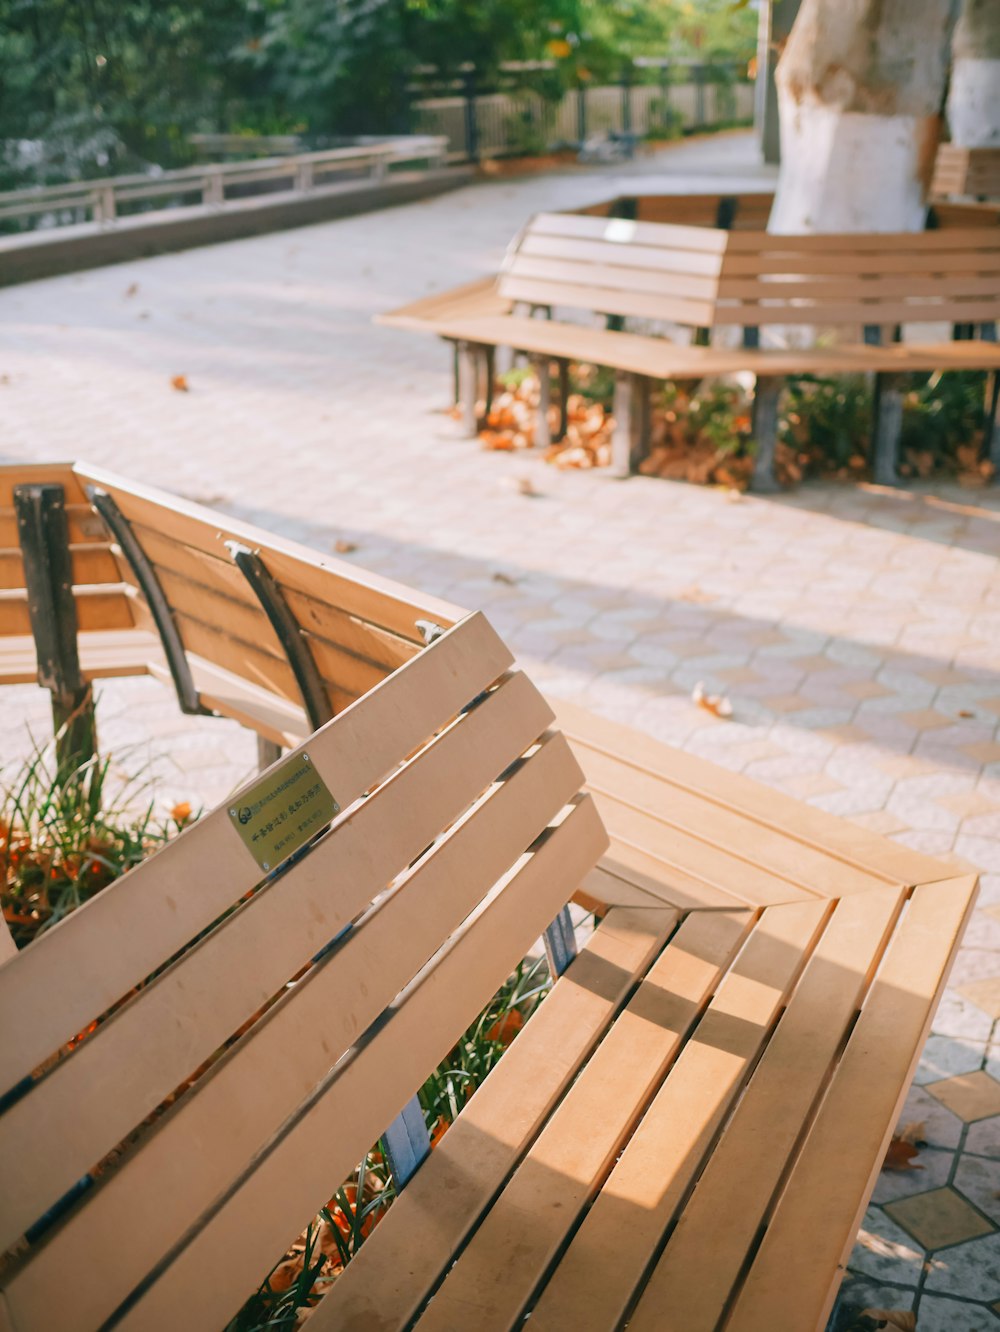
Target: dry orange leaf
column 179, row 382
column 900, row 1156
column 914, row 1131
column 344, row 547
column 717, row 704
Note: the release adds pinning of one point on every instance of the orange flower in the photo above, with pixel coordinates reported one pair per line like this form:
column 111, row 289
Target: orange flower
column 441, row 1127
column 506, row 1028
column 181, row 812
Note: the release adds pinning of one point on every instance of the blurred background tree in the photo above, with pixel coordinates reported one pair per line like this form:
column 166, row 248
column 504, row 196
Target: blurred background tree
column 98, row 87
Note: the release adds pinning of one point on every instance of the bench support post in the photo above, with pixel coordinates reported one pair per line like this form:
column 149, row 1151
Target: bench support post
column 563, row 399
column 543, row 369
column 43, row 534
column 630, row 439
column 145, row 575
column 295, row 647
column 765, row 434
column 886, row 428
column 468, row 386
column 406, row 1142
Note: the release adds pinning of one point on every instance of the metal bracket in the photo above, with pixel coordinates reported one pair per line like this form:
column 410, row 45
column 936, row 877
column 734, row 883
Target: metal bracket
column 429, row 631
column 560, row 943
column 284, row 624
column 163, row 616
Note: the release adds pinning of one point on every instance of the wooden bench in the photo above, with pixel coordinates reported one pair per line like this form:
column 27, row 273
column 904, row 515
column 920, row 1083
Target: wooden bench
column 757, row 995
column 969, row 172
column 687, row 285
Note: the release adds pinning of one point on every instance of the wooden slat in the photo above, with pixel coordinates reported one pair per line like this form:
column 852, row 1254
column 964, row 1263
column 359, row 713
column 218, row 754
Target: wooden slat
column 188, row 1162
column 390, row 1277
column 105, row 947
column 610, row 278
column 701, row 267
column 621, row 231
column 971, row 310
column 97, row 608
column 666, row 1152
column 844, row 842
column 84, row 526
column 498, row 1270
column 357, row 592
column 793, row 286
column 958, row 261
column 738, row 879
column 25, row 474
column 703, row 1260
column 605, row 300
column 102, row 655
column 807, row 870
column 248, row 1228
column 840, row 1160
column 670, row 884
column 91, row 564
column 914, row 244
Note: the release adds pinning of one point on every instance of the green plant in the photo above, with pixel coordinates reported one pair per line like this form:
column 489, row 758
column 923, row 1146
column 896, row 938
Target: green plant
column 65, row 835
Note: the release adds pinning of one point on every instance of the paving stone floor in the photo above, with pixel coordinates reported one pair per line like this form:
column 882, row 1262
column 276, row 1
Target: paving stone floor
column 857, row 632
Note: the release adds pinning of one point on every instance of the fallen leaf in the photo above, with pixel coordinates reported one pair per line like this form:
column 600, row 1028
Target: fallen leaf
column 179, row 382
column 525, row 486
column 344, row 547
column 965, row 712
column 131, row 289
column 900, row 1156
column 717, row 704
column 501, row 577
column 914, row 1131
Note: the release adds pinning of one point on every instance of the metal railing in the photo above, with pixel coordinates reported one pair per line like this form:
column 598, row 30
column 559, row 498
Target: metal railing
column 207, row 186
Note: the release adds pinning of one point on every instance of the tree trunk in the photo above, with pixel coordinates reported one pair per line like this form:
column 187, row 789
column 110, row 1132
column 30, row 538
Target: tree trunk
column 860, row 90
column 974, row 98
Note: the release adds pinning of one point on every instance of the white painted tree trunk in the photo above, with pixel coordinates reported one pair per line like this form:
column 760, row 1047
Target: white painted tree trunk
column 974, row 96
column 860, row 89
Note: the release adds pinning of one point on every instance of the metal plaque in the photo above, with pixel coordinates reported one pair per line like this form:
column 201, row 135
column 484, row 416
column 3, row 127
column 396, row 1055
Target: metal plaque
column 282, row 811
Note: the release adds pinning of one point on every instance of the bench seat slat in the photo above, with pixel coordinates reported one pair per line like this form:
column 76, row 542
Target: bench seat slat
column 631, row 858
column 739, row 879
column 389, row 1280
column 284, row 1057
column 606, row 300
column 85, row 528
column 847, row 1142
column 961, row 260
column 105, row 947
column 102, row 655
column 225, row 1258
column 806, row 869
column 606, row 277
column 664, row 1156
column 497, row 1272
column 703, row 1258
column 617, row 230
column 845, row 844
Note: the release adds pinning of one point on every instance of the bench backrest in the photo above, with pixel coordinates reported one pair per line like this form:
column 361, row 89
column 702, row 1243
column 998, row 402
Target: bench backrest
column 211, row 1046
column 974, row 171
column 731, row 212
column 705, row 277
column 101, row 598
column 347, row 629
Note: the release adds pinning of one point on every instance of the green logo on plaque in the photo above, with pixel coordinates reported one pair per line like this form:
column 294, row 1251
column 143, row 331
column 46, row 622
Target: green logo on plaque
column 282, row 811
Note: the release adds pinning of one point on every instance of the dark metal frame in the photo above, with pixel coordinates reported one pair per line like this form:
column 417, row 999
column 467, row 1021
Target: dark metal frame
column 163, row 617
column 284, row 624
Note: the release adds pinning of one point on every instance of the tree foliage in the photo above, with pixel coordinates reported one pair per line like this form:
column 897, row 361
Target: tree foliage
column 92, row 87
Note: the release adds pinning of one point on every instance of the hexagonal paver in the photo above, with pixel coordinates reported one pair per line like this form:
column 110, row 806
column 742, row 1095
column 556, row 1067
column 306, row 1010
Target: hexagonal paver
column 939, row 1218
column 971, row 1270
column 971, row 1096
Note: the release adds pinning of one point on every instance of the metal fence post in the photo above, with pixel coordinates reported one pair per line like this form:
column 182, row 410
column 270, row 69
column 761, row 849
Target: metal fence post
column 581, row 113
column 626, row 86
column 699, row 96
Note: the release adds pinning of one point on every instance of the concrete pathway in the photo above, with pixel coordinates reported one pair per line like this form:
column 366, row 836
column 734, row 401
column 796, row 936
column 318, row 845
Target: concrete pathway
column 857, row 633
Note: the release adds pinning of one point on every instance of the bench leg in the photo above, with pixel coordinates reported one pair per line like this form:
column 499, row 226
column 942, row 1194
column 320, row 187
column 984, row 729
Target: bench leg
column 991, row 431
column 543, row 369
column 563, row 399
column 43, row 534
column 488, row 364
column 468, row 387
column 887, row 427
column 630, row 439
column 407, row 1142
column 765, row 434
